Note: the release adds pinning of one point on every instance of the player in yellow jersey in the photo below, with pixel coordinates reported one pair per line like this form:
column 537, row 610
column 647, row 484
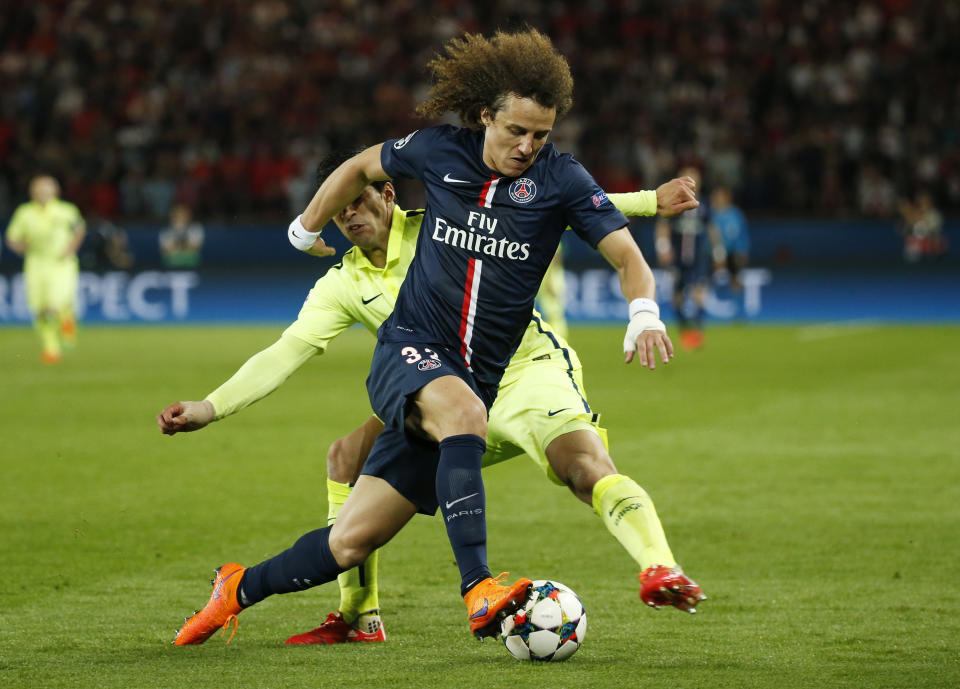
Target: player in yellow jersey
column 47, row 232
column 541, row 409
column 552, row 295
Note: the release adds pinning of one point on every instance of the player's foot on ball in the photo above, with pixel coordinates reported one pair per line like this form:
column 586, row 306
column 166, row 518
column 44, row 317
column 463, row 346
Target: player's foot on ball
column 488, row 602
column 366, row 628
column 661, row 585
column 222, row 608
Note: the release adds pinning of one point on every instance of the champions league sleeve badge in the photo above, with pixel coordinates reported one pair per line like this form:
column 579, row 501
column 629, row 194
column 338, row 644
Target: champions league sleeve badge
column 599, row 199
column 522, row 190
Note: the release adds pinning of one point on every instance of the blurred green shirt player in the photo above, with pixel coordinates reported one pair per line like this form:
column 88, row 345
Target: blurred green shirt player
column 47, row 232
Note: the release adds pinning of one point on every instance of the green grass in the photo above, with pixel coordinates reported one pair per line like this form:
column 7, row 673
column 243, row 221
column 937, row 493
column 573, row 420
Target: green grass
column 808, row 478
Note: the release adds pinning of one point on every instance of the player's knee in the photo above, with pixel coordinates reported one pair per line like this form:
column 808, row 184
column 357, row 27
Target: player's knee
column 350, row 547
column 584, row 470
column 471, row 417
column 342, row 464
column 467, row 417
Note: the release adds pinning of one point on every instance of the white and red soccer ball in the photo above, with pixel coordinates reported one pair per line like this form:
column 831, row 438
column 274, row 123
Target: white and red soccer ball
column 550, row 626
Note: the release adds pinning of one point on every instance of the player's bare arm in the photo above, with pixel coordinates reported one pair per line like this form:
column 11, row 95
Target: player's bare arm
column 345, row 184
column 17, row 247
column 181, row 417
column 646, row 333
column 676, row 196
column 79, row 232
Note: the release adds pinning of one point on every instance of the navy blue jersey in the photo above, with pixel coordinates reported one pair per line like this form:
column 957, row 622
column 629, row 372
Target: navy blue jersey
column 688, row 235
column 485, row 242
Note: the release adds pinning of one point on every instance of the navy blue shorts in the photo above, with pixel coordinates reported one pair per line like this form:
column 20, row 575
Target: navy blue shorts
column 398, row 371
column 692, row 266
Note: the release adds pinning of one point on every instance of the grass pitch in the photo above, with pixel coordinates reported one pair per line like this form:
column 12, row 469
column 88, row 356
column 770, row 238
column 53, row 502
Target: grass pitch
column 807, row 477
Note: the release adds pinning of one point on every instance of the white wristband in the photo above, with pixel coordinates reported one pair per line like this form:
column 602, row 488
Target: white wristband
column 300, row 236
column 642, row 321
column 643, row 304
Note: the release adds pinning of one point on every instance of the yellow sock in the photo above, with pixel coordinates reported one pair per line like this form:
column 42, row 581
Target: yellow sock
column 358, row 586
column 49, row 330
column 628, row 513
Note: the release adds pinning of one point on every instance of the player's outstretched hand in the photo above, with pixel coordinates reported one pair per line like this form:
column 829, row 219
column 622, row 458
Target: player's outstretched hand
column 321, row 249
column 645, row 345
column 676, row 196
column 185, row 416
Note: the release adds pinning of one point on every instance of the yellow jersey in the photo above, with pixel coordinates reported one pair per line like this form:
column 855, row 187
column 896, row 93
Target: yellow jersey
column 47, row 230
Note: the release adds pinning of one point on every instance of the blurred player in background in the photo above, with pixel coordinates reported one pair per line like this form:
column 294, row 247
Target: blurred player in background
column 683, row 247
column 47, row 232
column 528, row 416
column 730, row 238
column 922, row 228
column 182, row 241
column 459, row 315
column 552, row 297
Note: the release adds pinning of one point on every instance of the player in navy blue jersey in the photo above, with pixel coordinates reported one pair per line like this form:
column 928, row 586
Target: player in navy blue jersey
column 686, row 247
column 498, row 200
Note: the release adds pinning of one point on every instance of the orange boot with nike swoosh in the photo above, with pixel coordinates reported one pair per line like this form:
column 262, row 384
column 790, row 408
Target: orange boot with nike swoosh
column 488, row 602
column 222, row 608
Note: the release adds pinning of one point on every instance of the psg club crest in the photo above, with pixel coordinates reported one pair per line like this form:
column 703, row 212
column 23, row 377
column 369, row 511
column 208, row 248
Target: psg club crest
column 523, row 190
column 428, row 365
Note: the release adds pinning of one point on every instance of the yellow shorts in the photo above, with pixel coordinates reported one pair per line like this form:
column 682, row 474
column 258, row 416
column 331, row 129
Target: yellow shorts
column 545, row 400
column 51, row 286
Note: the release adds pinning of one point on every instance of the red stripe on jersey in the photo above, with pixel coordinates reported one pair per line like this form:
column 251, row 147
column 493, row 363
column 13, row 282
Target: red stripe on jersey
column 469, row 309
column 486, row 193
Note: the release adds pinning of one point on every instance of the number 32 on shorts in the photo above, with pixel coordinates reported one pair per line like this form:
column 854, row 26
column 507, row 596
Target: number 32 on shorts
column 413, row 356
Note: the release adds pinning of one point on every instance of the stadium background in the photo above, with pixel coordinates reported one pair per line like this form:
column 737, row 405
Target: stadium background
column 819, row 115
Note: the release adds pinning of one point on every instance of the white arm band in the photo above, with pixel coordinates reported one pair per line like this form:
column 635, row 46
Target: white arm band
column 300, row 236
column 643, row 304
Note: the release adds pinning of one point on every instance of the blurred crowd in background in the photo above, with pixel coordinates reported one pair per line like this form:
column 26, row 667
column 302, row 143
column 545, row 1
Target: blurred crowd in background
column 812, row 108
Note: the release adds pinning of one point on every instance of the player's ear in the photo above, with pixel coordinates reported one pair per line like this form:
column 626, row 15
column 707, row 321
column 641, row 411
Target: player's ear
column 486, row 116
column 389, row 193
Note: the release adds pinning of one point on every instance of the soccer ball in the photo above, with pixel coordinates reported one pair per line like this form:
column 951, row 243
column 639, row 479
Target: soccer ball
column 550, row 625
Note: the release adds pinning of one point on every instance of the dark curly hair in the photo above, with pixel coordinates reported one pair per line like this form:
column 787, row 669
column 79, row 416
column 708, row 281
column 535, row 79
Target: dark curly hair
column 474, row 72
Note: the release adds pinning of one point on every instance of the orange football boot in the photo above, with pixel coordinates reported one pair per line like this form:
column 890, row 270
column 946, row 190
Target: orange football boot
column 68, row 329
column 691, row 340
column 488, row 602
column 222, row 609
column 50, row 357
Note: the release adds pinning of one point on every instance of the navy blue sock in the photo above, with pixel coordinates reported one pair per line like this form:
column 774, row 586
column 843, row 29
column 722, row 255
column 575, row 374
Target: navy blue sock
column 308, row 563
column 698, row 319
column 463, row 505
column 681, row 312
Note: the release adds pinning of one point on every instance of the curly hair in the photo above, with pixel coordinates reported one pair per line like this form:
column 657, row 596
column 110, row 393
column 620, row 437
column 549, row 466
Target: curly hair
column 474, row 72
